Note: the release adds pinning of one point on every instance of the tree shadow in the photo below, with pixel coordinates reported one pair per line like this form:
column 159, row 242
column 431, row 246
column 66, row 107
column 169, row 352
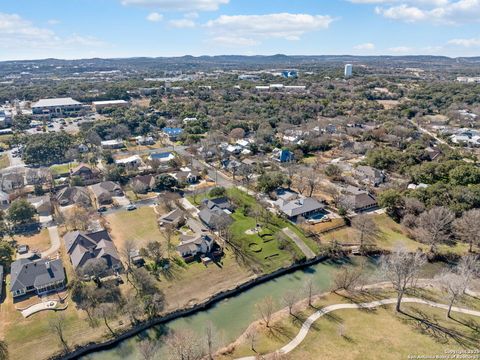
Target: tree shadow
column 438, row 332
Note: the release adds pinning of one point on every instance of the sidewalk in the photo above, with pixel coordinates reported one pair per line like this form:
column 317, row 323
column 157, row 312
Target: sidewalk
column 300, row 243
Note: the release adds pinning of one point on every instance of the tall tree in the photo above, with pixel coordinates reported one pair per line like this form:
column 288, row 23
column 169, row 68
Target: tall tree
column 3, row 350
column 367, row 229
column 401, row 268
column 467, row 228
column 265, row 309
column 434, row 226
column 57, row 325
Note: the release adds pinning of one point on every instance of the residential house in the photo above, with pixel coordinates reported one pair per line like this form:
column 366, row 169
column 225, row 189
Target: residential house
column 303, row 207
column 37, row 176
column 282, row 156
column 175, row 218
column 12, row 181
column 42, row 204
column 112, row 144
column 83, row 171
column 104, row 191
column 146, row 182
column 216, row 212
column 186, row 175
column 192, row 246
column 172, row 133
column 4, row 199
column 131, row 161
column 83, row 247
column 145, row 140
column 371, row 176
column 38, row 276
column 359, row 200
column 432, row 153
column 162, row 157
column 74, row 195
column 99, row 105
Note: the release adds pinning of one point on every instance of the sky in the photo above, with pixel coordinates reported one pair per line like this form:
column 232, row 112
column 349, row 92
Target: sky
column 69, row 29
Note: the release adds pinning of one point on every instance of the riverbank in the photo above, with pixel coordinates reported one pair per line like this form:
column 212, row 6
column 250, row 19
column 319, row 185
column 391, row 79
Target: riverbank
column 208, row 303
column 302, row 336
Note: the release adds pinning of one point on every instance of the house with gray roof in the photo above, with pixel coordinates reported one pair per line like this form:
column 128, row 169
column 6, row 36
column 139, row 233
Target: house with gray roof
column 74, row 195
column 213, row 217
column 369, row 175
column 175, row 218
column 300, row 207
column 191, row 246
column 359, row 200
column 38, row 277
column 83, row 247
column 104, row 191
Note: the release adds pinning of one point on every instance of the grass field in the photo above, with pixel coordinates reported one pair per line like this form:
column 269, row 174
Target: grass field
column 62, row 168
column 391, row 235
column 39, row 241
column 139, row 225
column 4, row 161
column 373, row 334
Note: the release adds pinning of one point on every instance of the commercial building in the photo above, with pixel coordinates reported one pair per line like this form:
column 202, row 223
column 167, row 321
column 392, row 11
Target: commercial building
column 348, row 70
column 58, row 107
column 99, row 105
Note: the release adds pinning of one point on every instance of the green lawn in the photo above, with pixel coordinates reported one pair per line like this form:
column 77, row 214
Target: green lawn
column 62, row 168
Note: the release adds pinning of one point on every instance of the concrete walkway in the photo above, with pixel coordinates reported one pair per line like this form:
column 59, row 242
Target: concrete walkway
column 318, row 314
column 54, row 242
column 300, row 243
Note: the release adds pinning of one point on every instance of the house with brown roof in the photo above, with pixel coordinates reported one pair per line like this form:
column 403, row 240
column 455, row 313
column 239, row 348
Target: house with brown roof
column 83, row 247
column 83, row 171
column 197, row 245
column 146, row 182
column 359, row 200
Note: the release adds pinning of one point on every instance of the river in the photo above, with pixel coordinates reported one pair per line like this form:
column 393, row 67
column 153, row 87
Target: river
column 231, row 317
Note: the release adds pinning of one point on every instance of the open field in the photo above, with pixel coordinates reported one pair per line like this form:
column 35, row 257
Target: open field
column 62, row 168
column 395, row 335
column 391, row 235
column 139, row 225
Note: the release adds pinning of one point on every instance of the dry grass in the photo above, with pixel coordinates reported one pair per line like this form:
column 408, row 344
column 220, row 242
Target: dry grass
column 39, row 241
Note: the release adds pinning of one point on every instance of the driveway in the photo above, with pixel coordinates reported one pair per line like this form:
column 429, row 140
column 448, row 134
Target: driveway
column 300, row 243
column 54, row 242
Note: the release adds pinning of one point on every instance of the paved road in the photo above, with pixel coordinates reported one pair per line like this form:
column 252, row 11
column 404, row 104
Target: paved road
column 318, row 314
column 300, row 243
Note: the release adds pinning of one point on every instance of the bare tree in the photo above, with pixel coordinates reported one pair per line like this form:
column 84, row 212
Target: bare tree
column 401, row 268
column 148, row 349
column 265, row 309
column 454, row 285
column 289, row 299
column 155, row 251
column 211, row 339
column 434, row 226
column 128, row 249
column 368, row 230
column 309, row 290
column 469, row 268
column 184, row 345
column 107, row 311
column 133, row 307
column 348, row 278
column 57, row 325
column 312, row 181
column 467, row 228
column 168, row 231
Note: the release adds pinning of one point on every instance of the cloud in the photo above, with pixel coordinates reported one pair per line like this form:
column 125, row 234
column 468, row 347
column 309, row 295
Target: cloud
column 465, row 42
column 366, row 46
column 17, row 33
column 450, row 12
column 53, row 22
column 179, row 5
column 252, row 29
column 154, row 17
column 182, row 23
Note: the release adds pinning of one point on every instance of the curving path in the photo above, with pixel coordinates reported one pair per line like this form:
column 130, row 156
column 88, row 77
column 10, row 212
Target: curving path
column 318, row 314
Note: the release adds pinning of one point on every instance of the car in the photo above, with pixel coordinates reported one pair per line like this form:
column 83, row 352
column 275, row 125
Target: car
column 50, row 125
column 131, row 207
column 102, row 209
column 62, row 127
